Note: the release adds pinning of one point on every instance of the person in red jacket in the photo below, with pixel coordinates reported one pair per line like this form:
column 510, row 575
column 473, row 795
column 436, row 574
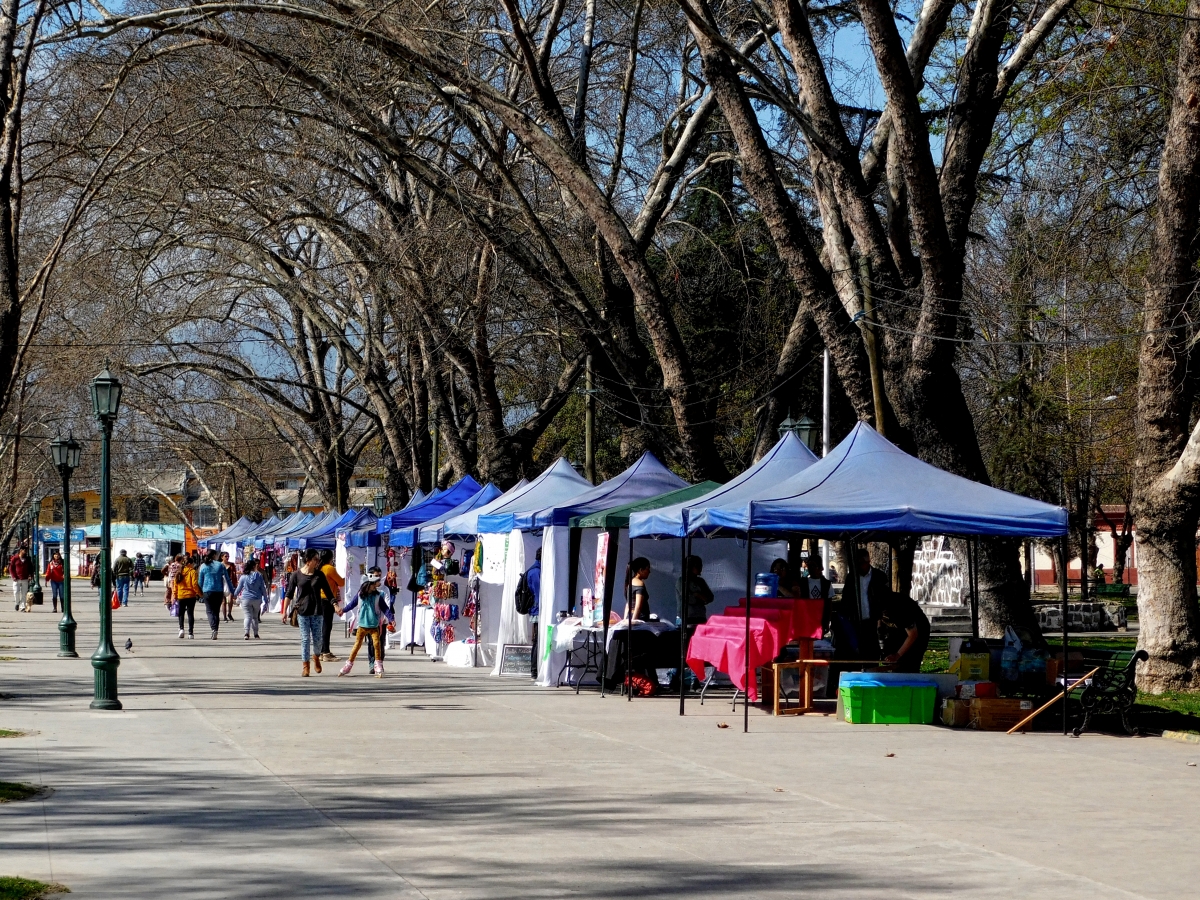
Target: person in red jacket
column 55, row 572
column 20, row 570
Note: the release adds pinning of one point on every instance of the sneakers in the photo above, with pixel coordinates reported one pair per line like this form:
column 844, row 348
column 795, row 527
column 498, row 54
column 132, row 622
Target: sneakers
column 378, row 669
column 191, row 637
column 181, row 634
column 256, row 637
column 346, row 669
column 329, row 657
column 247, row 636
column 214, row 635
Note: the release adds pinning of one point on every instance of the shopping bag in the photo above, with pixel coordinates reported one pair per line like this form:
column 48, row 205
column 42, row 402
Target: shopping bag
column 116, row 601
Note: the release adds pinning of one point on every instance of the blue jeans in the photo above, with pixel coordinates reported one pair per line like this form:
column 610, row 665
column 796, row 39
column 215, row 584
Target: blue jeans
column 123, row 589
column 310, row 636
column 56, row 592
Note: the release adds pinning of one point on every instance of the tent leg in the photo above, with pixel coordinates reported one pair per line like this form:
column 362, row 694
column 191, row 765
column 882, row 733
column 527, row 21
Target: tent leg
column 1062, row 586
column 749, row 594
column 972, row 582
column 412, row 635
column 686, row 550
column 610, row 565
column 629, row 628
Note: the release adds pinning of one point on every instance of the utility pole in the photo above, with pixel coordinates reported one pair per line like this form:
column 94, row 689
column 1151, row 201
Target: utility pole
column 864, row 265
column 589, row 424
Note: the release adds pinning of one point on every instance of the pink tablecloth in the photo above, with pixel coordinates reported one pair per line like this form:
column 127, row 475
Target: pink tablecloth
column 806, row 614
column 721, row 642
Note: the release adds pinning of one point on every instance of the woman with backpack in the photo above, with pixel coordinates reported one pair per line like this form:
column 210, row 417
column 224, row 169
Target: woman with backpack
column 371, row 607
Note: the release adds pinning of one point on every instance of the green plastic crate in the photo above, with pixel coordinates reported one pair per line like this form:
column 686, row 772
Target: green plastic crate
column 889, row 704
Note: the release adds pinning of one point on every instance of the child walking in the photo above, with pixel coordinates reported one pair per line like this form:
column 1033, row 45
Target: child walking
column 370, row 605
column 251, row 590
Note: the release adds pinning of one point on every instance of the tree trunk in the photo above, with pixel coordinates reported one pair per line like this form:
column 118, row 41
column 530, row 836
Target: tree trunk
column 1167, row 480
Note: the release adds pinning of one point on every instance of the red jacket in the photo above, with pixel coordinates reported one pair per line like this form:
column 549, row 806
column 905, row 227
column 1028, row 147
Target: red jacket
column 20, row 568
column 54, row 570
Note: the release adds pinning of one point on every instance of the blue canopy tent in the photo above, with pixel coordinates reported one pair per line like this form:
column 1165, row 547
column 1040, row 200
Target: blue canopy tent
column 326, row 538
column 248, row 537
column 559, row 484
column 431, row 507
column 241, row 527
column 788, row 457
column 294, row 522
column 466, row 525
column 415, row 534
column 868, row 486
column 315, row 526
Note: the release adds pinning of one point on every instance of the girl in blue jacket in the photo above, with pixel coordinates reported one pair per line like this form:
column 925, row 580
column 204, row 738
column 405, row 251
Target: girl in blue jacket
column 371, row 607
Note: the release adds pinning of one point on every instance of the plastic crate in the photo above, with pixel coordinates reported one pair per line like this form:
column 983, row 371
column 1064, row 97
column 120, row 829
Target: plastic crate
column 889, row 704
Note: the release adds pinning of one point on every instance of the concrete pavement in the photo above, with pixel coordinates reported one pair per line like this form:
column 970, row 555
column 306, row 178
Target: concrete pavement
column 228, row 775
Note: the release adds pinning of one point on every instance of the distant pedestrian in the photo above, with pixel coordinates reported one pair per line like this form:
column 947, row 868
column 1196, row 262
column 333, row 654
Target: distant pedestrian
column 337, row 583
column 252, row 592
column 139, row 574
column 123, row 571
column 186, row 590
column 214, row 581
column 170, row 575
column 307, row 591
column 231, row 569
column 55, row 573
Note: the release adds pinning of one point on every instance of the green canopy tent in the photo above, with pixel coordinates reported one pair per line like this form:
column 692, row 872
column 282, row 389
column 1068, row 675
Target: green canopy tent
column 613, row 520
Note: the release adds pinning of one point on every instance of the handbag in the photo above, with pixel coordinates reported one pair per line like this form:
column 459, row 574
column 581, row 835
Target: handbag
column 116, row 601
column 293, row 616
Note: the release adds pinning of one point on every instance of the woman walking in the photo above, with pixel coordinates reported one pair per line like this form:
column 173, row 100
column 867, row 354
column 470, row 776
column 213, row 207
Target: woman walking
column 186, row 589
column 307, row 590
column 337, row 582
column 252, row 591
column 214, row 581
column 170, row 574
column 227, row 606
column 55, row 572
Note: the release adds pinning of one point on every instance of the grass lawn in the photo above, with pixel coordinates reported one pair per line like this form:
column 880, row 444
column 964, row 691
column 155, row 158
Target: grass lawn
column 26, row 889
column 4, row 732
column 12, row 790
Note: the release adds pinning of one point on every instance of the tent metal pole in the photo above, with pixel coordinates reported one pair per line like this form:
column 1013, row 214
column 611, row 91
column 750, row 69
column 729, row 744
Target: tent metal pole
column 1062, row 586
column 610, row 565
column 629, row 627
column 972, row 575
column 686, row 550
column 749, row 594
column 412, row 635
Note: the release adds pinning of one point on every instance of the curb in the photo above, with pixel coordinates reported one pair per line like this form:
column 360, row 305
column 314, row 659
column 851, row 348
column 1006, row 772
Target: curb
column 1187, row 737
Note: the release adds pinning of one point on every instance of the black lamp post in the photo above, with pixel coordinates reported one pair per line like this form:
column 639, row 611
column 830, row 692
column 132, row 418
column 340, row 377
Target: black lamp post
column 380, row 502
column 106, row 403
column 35, row 513
column 65, row 455
column 805, row 429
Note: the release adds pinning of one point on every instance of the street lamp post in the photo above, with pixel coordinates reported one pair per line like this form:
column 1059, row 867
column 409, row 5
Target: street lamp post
column 106, row 403
column 35, row 533
column 380, row 502
column 65, row 455
column 805, row 429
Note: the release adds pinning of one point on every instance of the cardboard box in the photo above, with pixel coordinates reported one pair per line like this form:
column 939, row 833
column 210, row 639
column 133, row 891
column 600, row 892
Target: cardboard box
column 996, row 714
column 972, row 666
column 956, row 713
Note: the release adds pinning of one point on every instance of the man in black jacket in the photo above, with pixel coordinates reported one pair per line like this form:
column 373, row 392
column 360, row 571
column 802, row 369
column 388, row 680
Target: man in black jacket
column 869, row 593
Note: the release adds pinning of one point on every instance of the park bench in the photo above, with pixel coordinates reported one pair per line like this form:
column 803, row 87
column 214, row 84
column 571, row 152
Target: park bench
column 1112, row 591
column 1112, row 689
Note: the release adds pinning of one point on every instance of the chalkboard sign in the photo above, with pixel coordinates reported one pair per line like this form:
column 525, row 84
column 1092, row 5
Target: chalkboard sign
column 516, row 659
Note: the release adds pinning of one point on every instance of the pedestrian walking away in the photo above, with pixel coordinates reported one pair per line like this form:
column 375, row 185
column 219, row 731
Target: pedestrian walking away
column 252, row 592
column 170, row 574
column 123, row 571
column 227, row 608
column 214, row 581
column 54, row 574
column 186, row 590
column 20, row 570
column 336, row 582
column 139, row 574
column 371, row 607
column 307, row 590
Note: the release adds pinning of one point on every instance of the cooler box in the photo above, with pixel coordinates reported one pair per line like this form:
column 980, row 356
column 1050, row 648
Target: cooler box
column 868, row 702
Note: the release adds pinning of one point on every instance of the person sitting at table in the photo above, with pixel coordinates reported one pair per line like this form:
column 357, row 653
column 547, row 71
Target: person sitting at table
column 903, row 632
column 699, row 594
column 786, row 588
column 637, row 608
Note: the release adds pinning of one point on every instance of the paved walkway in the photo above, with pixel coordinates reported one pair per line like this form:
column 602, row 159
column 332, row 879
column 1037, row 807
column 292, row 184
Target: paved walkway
column 227, row 775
